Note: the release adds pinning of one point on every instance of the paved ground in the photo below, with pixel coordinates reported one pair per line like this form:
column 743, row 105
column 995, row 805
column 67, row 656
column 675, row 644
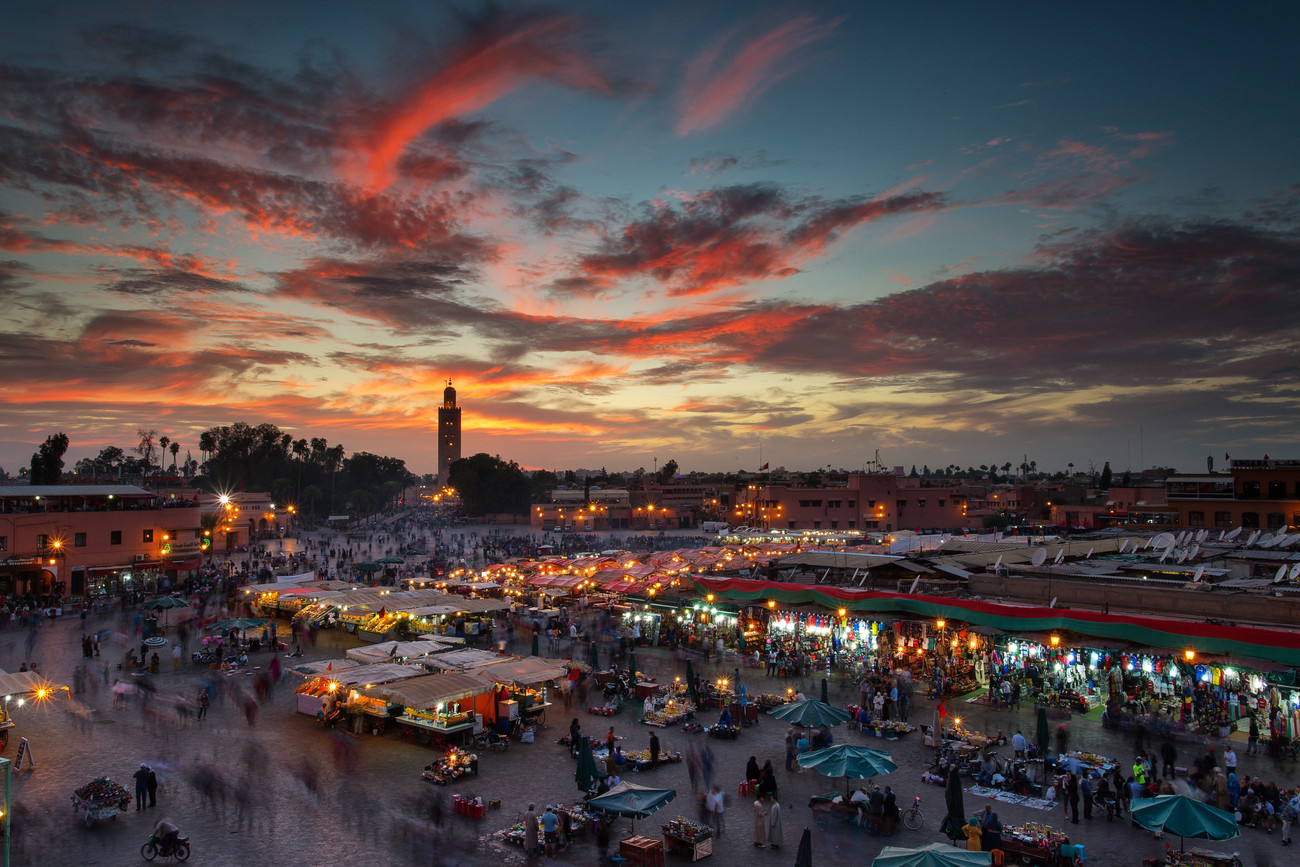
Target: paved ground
column 257, row 808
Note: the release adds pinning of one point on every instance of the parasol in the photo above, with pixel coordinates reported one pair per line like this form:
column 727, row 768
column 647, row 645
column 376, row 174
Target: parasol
column 825, row 692
column 595, row 657
column 631, row 667
column 397, row 561
column 955, row 801
column 366, row 566
column 849, row 761
column 631, row 800
column 803, row 857
column 1184, row 816
column 810, row 712
column 587, row 773
column 536, row 650
column 690, row 683
column 933, row 855
column 237, row 624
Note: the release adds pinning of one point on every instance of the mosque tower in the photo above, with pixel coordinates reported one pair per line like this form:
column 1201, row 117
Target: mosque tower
column 448, row 434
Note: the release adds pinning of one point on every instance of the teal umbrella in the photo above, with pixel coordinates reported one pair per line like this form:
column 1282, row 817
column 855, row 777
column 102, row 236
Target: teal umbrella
column 366, row 566
column 164, row 602
column 933, row 855
column 954, row 800
column 825, row 691
column 690, row 682
column 1184, row 816
column 631, row 666
column 595, row 657
column 392, row 560
column 536, row 650
column 849, row 761
column 631, row 800
column 587, row 773
column 414, row 552
column 1043, row 734
column 237, row 623
column 810, row 712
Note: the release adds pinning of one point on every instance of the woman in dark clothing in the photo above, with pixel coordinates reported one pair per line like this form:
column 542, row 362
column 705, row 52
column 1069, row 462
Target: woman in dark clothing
column 767, row 785
column 751, row 768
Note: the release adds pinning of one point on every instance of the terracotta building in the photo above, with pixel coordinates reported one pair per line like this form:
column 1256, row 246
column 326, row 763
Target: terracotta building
column 1254, row 494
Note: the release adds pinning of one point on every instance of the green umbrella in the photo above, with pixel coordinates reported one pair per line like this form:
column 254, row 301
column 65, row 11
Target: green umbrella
column 825, row 691
column 536, row 651
column 810, row 712
column 631, row 800
column 366, row 566
column 955, row 801
column 595, row 657
column 933, row 855
column 237, row 623
column 1043, row 734
column 393, row 560
column 587, row 773
column 414, row 552
column 166, row 602
column 849, row 761
column 803, row 857
column 1184, row 816
column 631, row 666
column 690, row 682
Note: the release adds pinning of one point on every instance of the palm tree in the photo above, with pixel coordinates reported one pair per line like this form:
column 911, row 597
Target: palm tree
column 175, row 450
column 312, row 495
column 163, row 442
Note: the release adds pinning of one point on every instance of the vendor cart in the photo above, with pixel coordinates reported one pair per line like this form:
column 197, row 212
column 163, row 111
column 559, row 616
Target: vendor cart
column 100, row 799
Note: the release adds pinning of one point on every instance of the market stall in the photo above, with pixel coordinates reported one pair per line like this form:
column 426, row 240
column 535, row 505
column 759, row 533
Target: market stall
column 101, row 798
column 688, row 839
column 522, row 687
column 1034, row 842
column 454, row 764
column 398, row 651
column 440, row 708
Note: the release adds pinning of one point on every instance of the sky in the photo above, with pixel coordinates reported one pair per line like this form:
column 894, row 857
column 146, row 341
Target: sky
column 726, row 234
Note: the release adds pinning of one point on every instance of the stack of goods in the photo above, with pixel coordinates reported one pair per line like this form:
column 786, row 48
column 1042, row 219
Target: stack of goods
column 1035, row 834
column 102, row 791
column 684, row 829
column 514, row 834
column 639, row 760
column 890, row 728
column 767, row 700
column 671, row 713
column 317, row 686
column 366, row 704
column 723, row 731
column 1092, row 760
column 424, row 716
column 465, row 805
column 605, row 710
column 381, row 622
column 455, row 764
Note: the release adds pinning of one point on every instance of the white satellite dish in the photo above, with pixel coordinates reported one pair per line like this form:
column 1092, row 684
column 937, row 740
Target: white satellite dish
column 1270, row 542
column 1191, row 555
column 1222, row 533
column 1251, row 539
column 1167, row 552
column 1182, row 537
column 1123, row 546
column 997, row 563
column 1199, row 573
column 1281, row 573
column 1182, row 555
column 1163, row 540
column 1060, row 555
column 1295, row 572
column 1039, row 557
column 1232, row 534
column 1202, row 535
column 1089, row 555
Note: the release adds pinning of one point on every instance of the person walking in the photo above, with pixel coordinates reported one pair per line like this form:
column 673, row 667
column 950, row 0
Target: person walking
column 1168, row 757
column 1252, row 739
column 1085, row 792
column 654, row 750
column 203, row 703
column 789, row 748
column 1072, row 793
column 716, row 806
column 760, row 824
column 1229, row 759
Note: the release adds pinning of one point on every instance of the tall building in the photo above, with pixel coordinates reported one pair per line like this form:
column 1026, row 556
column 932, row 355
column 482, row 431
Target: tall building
column 448, row 433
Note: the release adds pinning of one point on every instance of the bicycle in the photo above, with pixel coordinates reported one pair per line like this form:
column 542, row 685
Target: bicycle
column 913, row 818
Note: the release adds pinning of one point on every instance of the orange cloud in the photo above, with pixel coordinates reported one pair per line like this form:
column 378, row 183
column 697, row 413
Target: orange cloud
column 710, row 95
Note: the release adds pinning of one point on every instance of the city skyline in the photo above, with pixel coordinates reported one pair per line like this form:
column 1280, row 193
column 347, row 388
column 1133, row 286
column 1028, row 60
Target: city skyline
column 722, row 234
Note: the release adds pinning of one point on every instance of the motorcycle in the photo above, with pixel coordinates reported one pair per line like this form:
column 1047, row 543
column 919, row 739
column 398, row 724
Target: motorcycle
column 154, row 848
column 491, row 740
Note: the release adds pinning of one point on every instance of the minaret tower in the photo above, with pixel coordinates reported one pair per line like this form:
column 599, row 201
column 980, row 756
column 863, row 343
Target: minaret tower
column 448, row 434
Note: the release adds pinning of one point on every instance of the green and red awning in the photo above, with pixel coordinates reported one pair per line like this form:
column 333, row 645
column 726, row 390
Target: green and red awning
column 1281, row 647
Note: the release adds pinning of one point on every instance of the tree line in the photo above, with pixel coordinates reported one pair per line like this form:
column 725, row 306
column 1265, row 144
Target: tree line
column 317, row 476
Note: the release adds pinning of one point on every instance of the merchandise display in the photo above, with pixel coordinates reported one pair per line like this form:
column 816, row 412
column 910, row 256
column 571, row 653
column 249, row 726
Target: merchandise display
column 455, row 764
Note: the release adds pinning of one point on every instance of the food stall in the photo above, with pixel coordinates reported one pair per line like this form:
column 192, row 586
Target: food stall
column 689, row 839
column 668, row 711
column 522, row 686
column 1033, row 842
column 440, row 708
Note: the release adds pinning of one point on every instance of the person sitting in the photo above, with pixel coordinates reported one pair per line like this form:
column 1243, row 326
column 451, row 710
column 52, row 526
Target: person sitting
column 724, row 718
column 613, row 780
column 620, row 758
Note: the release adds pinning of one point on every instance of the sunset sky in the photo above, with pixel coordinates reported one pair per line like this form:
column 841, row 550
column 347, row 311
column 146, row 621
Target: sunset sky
column 635, row 232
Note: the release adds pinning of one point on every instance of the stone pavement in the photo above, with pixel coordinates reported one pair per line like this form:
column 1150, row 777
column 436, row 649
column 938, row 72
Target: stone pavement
column 380, row 810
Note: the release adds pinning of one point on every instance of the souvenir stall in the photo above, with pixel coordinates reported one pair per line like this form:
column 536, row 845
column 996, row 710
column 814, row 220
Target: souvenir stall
column 578, row 818
column 803, row 642
column 667, row 709
column 329, row 687
column 691, row 840
column 440, row 708
column 1034, row 843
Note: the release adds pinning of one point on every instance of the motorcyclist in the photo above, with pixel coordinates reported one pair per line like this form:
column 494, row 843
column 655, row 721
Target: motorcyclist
column 166, row 834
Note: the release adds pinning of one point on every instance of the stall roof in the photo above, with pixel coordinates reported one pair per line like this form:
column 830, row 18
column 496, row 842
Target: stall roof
column 528, row 669
column 461, row 660
column 385, row 672
column 324, row 666
column 387, row 650
column 19, row 682
column 432, row 689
